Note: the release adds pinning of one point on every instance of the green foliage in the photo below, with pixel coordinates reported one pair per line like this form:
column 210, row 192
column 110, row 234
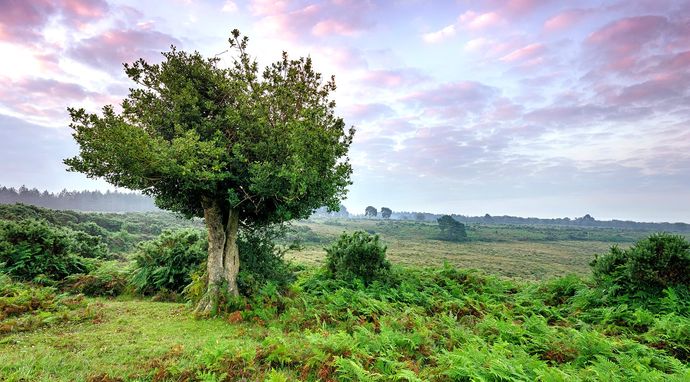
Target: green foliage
column 31, row 249
column 108, row 279
column 261, row 260
column 119, row 232
column 441, row 324
column 267, row 144
column 646, row 269
column 25, row 307
column 386, row 212
column 358, row 256
column 451, row 229
column 166, row 263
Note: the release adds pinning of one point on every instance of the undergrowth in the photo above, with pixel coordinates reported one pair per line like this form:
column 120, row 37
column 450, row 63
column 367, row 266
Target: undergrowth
column 25, row 307
column 439, row 325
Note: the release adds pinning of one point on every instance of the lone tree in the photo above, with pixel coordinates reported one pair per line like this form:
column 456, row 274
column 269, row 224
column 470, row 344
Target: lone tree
column 451, row 229
column 370, row 211
column 386, row 212
column 233, row 145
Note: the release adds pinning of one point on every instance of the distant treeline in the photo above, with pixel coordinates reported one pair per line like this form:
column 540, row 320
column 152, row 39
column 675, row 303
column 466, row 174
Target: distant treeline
column 96, row 201
column 585, row 221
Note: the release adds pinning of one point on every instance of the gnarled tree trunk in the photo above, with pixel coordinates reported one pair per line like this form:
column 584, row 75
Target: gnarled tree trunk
column 223, row 262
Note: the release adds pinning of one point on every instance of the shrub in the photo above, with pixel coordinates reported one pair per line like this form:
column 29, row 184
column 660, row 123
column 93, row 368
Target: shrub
column 358, row 256
column 32, row 248
column 165, row 264
column 647, row 268
column 261, row 261
column 109, row 279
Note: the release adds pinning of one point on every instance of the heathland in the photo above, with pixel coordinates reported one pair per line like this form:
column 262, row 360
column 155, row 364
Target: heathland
column 108, row 297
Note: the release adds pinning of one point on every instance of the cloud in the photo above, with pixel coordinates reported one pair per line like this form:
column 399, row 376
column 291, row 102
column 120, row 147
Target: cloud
column 530, row 51
column 567, row 19
column 295, row 20
column 229, row 7
column 23, row 21
column 475, row 21
column 440, row 35
column 40, row 97
column 453, row 99
column 394, row 77
column 469, row 20
column 369, row 111
column 109, row 50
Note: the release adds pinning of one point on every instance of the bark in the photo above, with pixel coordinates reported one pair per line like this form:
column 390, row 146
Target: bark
column 223, row 262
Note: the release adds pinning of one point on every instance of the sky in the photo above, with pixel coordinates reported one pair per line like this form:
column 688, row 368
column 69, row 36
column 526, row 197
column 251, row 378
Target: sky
column 511, row 107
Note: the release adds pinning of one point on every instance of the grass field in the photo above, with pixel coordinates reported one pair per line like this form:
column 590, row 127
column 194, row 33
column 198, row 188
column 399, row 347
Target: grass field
column 513, row 251
column 516, row 319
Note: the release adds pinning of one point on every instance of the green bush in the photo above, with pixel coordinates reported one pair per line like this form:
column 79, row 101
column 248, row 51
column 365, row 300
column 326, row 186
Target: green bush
column 261, row 261
column 31, row 249
column 109, row 279
column 166, row 263
column 358, row 256
column 646, row 269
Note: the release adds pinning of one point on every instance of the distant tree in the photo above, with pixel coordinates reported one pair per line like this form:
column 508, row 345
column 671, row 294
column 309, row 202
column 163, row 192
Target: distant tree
column 420, row 216
column 370, row 211
column 386, row 212
column 237, row 146
column 451, row 229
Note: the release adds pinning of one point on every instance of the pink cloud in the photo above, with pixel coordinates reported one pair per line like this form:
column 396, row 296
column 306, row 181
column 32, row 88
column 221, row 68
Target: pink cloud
column 40, row 96
column 296, row 21
column 79, row 11
column 523, row 7
column 566, row 19
column 474, row 20
column 23, row 21
column 111, row 49
column 530, row 51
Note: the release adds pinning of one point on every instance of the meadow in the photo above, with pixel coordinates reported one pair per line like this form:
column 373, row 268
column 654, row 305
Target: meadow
column 513, row 303
column 528, row 252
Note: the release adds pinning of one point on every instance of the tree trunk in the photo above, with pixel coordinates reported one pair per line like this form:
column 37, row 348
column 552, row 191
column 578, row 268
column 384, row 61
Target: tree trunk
column 223, row 262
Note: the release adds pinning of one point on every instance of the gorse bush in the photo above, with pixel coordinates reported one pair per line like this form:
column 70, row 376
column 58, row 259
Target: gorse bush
column 166, row 263
column 31, row 249
column 646, row 269
column 358, row 256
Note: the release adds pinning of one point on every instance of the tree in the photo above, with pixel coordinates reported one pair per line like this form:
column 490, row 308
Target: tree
column 419, row 216
column 386, row 212
column 451, row 229
column 370, row 211
column 232, row 145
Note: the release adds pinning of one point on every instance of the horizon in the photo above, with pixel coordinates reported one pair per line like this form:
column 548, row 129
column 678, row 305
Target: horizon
column 361, row 213
column 517, row 107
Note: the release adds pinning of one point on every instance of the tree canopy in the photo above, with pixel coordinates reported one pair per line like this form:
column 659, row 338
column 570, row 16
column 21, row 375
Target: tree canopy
column 234, row 145
column 451, row 229
column 370, row 211
column 386, row 212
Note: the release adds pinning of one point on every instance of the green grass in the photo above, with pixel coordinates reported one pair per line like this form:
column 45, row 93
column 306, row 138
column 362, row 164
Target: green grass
column 528, row 252
column 437, row 325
